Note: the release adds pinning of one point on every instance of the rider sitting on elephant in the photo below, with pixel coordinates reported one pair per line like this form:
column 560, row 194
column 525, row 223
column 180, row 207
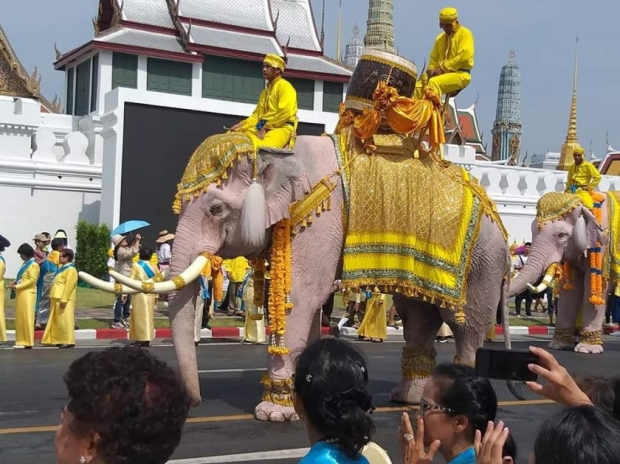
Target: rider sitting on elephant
column 274, row 121
column 451, row 59
column 583, row 178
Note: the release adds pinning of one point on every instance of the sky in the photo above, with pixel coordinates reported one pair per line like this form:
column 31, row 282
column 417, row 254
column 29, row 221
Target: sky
column 541, row 32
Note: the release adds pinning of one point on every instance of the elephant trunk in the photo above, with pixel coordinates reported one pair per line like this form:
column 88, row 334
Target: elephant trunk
column 182, row 307
column 538, row 261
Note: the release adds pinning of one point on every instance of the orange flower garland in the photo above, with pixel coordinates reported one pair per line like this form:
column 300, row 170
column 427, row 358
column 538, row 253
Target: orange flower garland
column 279, row 291
column 566, row 275
column 596, row 257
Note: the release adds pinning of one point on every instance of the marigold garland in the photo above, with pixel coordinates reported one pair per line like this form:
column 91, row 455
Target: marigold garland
column 279, row 290
column 566, row 275
column 596, row 260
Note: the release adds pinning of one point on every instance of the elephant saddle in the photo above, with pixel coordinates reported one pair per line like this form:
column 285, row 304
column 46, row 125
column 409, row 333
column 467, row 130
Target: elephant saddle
column 411, row 222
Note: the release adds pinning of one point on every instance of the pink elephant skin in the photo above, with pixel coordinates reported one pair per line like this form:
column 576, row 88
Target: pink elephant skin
column 558, row 241
column 211, row 223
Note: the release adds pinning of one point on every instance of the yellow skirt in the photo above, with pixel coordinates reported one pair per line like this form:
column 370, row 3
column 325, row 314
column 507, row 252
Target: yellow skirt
column 374, row 324
column 24, row 317
column 2, row 318
column 60, row 329
column 142, row 318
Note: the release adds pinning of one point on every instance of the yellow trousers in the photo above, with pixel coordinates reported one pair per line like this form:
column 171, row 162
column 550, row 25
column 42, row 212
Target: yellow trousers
column 25, row 301
column 445, row 84
column 274, row 138
column 60, row 329
column 2, row 319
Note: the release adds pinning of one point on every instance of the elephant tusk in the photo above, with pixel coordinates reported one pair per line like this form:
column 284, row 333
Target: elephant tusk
column 176, row 283
column 109, row 287
column 549, row 276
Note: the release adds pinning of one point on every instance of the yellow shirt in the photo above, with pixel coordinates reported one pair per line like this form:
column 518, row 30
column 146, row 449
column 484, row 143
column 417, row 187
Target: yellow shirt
column 584, row 176
column 28, row 280
column 453, row 53
column 236, row 268
column 54, row 257
column 277, row 105
column 64, row 285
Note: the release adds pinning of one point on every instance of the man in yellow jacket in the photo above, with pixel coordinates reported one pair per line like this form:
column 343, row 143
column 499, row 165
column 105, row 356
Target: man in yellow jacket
column 583, row 178
column 451, row 59
column 274, row 121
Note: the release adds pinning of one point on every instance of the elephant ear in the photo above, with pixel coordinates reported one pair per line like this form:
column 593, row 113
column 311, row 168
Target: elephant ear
column 285, row 182
column 594, row 230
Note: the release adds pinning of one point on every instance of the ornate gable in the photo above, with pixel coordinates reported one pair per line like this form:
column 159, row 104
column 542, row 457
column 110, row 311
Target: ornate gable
column 15, row 80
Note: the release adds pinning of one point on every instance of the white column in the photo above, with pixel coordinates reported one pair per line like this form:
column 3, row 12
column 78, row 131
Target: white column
column 142, row 72
column 197, row 80
column 318, row 96
column 105, row 79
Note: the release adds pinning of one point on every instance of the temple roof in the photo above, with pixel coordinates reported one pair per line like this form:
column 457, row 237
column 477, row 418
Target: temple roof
column 610, row 166
column 15, row 81
column 467, row 125
column 184, row 30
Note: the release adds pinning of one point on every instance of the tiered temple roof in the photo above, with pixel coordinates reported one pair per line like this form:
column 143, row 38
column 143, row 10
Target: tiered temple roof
column 15, row 81
column 462, row 128
column 185, row 30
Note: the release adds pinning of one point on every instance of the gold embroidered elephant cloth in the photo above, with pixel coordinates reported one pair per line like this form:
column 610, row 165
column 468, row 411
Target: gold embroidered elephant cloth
column 611, row 268
column 411, row 223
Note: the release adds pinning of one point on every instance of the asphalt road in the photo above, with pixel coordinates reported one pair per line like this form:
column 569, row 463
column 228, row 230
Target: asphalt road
column 221, row 428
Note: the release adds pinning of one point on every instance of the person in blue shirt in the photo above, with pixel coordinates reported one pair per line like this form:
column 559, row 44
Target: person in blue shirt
column 332, row 399
column 455, row 404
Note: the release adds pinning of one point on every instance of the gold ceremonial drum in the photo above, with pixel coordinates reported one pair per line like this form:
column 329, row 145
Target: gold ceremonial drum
column 375, row 66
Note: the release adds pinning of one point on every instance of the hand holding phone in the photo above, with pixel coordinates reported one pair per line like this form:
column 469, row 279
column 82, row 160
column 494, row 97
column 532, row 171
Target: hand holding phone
column 505, row 364
column 560, row 386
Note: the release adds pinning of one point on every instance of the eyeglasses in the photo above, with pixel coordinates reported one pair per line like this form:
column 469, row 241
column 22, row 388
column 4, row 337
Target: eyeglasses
column 426, row 407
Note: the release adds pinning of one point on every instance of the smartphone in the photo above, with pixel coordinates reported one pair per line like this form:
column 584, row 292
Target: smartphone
column 505, row 364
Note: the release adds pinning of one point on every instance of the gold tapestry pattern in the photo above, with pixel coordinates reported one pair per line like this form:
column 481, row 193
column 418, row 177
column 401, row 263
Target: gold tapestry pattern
column 412, row 220
column 210, row 163
column 554, row 205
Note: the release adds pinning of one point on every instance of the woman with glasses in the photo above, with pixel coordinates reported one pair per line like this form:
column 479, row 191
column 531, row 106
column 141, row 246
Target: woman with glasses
column 60, row 330
column 454, row 405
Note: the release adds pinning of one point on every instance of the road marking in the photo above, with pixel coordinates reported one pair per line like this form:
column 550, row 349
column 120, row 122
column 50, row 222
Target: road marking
column 242, row 417
column 246, row 457
column 224, row 371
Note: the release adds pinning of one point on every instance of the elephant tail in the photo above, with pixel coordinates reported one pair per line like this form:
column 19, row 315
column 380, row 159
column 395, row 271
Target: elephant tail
column 503, row 300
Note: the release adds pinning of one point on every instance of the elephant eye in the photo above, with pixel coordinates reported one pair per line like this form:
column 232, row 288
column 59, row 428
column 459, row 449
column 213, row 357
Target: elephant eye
column 563, row 235
column 216, row 209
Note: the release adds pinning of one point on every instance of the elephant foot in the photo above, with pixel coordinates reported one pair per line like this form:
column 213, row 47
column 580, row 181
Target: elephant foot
column 270, row 412
column 588, row 349
column 560, row 345
column 408, row 391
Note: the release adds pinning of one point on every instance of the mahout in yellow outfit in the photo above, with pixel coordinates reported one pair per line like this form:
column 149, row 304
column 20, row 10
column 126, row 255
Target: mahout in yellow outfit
column 274, row 121
column 142, row 318
column 60, row 328
column 451, row 59
column 583, row 178
column 25, row 288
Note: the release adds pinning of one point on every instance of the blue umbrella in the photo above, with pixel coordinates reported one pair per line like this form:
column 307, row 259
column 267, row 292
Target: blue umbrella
column 129, row 226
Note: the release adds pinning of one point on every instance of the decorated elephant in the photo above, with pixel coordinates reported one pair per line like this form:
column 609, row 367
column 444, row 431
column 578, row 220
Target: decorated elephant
column 571, row 245
column 233, row 202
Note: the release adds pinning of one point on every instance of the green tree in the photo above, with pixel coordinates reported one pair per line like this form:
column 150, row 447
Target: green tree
column 93, row 243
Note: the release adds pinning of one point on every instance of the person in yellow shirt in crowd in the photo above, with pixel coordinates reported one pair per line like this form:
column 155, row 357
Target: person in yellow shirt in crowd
column 583, row 178
column 451, row 59
column 374, row 325
column 236, row 270
column 60, row 329
column 142, row 318
column 24, row 291
column 274, row 121
column 4, row 243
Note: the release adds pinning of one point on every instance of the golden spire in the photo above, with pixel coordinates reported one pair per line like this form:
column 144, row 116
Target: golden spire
column 566, row 155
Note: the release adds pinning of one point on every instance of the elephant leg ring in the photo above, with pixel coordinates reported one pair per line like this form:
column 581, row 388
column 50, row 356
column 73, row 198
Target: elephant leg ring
column 278, row 391
column 592, row 338
column 417, row 364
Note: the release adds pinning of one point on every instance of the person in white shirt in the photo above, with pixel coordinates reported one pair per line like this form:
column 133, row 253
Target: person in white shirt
column 164, row 253
column 526, row 295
